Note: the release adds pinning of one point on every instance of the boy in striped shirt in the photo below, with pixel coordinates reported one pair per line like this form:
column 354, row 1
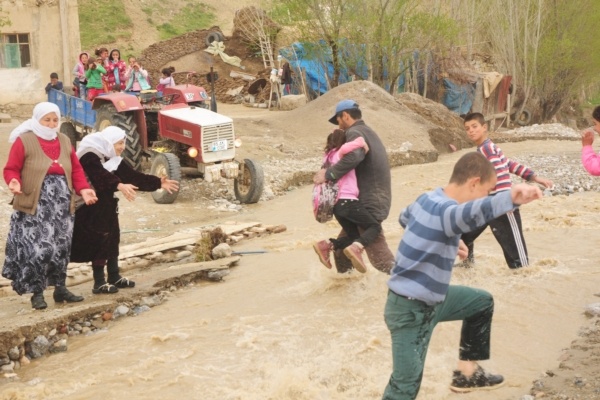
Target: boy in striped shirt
column 420, row 294
column 507, row 228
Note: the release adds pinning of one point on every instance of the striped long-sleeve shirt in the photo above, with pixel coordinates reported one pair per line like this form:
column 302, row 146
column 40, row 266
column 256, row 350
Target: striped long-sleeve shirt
column 504, row 166
column 433, row 225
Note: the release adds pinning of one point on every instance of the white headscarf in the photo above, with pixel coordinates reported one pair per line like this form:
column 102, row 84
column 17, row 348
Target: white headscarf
column 103, row 142
column 33, row 124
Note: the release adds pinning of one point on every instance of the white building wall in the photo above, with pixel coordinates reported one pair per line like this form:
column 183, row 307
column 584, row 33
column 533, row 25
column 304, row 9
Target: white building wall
column 47, row 32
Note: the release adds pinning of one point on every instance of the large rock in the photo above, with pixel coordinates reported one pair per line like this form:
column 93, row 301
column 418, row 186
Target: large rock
column 221, row 251
column 292, row 101
column 39, row 347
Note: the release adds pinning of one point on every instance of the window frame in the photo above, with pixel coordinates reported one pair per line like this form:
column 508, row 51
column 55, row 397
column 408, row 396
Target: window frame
column 20, row 42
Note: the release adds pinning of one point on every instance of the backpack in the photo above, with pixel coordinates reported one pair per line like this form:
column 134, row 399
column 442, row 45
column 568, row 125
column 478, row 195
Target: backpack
column 324, row 197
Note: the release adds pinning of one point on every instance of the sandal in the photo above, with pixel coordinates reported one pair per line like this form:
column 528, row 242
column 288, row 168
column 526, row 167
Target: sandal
column 106, row 288
column 124, row 283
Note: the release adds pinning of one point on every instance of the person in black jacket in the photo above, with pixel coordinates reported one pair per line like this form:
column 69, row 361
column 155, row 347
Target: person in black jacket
column 373, row 177
column 96, row 234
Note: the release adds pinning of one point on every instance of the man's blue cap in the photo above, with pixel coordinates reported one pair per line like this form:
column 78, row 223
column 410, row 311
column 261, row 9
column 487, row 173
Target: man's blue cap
column 343, row 105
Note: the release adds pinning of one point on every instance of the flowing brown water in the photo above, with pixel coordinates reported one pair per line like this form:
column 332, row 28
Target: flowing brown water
column 283, row 327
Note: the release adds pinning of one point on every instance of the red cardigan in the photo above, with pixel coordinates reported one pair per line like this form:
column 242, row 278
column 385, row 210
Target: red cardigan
column 51, row 148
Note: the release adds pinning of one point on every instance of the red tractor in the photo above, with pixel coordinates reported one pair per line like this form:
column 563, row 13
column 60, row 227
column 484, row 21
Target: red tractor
column 176, row 130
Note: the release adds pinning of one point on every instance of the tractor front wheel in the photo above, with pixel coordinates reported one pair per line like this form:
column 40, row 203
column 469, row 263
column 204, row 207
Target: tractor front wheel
column 107, row 115
column 165, row 165
column 248, row 186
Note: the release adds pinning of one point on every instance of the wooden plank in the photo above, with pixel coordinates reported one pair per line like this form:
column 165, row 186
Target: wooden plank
column 180, row 239
column 143, row 248
column 156, row 241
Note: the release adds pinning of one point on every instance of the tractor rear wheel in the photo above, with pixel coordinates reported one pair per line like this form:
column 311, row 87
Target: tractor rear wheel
column 248, row 186
column 107, row 115
column 68, row 129
column 165, row 164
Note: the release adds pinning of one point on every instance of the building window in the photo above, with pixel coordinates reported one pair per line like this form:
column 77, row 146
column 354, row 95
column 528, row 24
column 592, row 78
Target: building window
column 14, row 50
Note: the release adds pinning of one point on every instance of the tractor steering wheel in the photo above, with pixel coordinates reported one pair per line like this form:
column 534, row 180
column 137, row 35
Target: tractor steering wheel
column 168, row 99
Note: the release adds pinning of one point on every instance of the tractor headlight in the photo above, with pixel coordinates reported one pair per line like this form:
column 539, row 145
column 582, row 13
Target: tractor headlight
column 237, row 142
column 192, row 152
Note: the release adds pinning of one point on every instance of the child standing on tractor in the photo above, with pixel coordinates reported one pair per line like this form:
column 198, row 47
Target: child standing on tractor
column 102, row 58
column 115, row 71
column 80, row 80
column 93, row 73
column 136, row 77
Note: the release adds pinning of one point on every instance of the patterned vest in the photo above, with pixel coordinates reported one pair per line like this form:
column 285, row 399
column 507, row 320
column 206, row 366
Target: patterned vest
column 35, row 168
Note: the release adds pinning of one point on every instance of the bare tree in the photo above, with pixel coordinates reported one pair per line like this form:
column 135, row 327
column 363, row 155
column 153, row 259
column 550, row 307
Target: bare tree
column 326, row 20
column 258, row 30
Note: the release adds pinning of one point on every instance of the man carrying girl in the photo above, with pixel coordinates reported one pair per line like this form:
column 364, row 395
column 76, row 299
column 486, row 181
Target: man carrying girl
column 348, row 210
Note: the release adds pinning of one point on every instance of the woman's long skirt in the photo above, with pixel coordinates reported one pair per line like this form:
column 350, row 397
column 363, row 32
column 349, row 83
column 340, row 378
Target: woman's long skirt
column 38, row 246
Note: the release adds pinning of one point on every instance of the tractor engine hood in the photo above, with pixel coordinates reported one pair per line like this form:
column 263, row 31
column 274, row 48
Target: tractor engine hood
column 209, row 132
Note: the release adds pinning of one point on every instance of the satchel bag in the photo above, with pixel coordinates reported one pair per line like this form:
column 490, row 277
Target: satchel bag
column 325, row 195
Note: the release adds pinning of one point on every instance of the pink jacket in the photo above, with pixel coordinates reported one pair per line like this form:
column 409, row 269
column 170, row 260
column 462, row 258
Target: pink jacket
column 590, row 160
column 121, row 68
column 347, row 185
column 79, row 70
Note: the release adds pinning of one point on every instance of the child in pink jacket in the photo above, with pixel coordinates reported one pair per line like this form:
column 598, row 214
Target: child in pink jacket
column 115, row 71
column 591, row 160
column 362, row 228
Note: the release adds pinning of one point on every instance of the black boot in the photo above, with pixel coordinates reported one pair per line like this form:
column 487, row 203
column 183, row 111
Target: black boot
column 38, row 302
column 61, row 294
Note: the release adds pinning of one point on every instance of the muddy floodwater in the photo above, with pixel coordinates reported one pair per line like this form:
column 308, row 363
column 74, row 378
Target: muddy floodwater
column 281, row 326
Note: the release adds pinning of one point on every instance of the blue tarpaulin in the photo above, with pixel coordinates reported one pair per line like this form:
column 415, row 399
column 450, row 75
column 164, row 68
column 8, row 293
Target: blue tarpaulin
column 458, row 97
column 316, row 61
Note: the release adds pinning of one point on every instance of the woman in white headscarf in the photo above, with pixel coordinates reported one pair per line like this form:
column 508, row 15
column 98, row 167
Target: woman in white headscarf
column 43, row 173
column 96, row 235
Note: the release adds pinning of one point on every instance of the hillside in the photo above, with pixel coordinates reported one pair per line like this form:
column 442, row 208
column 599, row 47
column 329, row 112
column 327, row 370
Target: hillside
column 145, row 16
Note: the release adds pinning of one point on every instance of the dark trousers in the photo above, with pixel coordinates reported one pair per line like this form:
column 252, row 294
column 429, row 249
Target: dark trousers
column 377, row 250
column 411, row 323
column 351, row 215
column 508, row 231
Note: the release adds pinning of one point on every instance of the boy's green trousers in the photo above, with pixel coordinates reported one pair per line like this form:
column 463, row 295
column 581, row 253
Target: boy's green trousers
column 411, row 324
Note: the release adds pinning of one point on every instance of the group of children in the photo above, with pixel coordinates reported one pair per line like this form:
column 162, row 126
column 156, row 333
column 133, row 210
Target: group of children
column 106, row 72
column 439, row 226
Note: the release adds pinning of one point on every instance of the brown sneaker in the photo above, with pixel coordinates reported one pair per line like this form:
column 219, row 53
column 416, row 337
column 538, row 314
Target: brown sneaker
column 354, row 253
column 323, row 248
column 480, row 380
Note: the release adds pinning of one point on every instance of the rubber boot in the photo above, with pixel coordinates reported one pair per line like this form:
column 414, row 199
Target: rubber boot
column 38, row 302
column 62, row 294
